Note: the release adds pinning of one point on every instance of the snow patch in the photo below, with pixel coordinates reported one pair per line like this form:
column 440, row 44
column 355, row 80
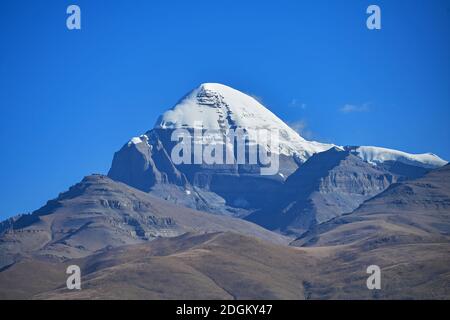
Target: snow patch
column 376, row 155
column 137, row 140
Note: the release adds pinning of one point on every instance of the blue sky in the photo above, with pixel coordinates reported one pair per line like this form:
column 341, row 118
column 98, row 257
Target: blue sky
column 70, row 99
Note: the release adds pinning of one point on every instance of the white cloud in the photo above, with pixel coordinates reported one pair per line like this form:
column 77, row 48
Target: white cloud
column 302, row 129
column 297, row 104
column 351, row 108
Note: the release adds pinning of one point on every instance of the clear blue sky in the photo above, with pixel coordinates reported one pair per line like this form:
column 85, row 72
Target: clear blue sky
column 70, row 99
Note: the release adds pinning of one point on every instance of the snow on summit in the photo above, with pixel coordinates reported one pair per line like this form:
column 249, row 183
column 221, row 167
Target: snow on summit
column 215, row 106
column 219, row 107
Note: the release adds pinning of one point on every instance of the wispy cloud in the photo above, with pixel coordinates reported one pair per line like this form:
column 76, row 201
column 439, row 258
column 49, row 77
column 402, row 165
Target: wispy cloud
column 297, row 104
column 302, row 129
column 351, row 108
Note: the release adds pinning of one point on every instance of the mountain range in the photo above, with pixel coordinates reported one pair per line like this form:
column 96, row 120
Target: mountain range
column 240, row 190
column 154, row 228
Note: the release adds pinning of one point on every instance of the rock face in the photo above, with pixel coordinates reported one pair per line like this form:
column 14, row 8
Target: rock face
column 144, row 162
column 98, row 213
column 328, row 185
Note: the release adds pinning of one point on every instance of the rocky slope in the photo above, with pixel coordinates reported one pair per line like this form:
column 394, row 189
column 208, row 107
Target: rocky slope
column 99, row 213
column 410, row 211
column 232, row 266
column 328, row 185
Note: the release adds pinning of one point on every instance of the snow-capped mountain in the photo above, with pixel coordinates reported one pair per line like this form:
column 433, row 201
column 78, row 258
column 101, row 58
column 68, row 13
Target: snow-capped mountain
column 219, row 107
column 145, row 161
column 239, row 189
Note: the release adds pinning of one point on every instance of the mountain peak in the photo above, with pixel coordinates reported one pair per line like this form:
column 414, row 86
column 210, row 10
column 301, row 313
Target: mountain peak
column 214, row 106
column 214, row 86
